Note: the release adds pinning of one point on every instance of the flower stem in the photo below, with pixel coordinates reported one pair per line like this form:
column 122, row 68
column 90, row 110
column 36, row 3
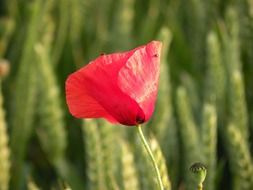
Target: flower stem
column 144, row 142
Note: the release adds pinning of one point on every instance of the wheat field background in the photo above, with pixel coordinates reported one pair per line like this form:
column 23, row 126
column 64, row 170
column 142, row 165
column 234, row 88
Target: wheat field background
column 204, row 111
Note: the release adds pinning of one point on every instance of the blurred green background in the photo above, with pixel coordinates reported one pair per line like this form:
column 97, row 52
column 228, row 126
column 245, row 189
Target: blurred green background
column 204, row 110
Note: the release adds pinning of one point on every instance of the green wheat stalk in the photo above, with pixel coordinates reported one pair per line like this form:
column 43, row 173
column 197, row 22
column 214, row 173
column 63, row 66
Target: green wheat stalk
column 209, row 143
column 31, row 185
column 8, row 26
column 100, row 26
column 4, row 149
column 61, row 33
column 108, row 137
column 195, row 29
column 215, row 76
column 94, row 170
column 129, row 174
column 189, row 134
column 148, row 25
column 237, row 103
column 24, row 98
column 78, row 16
column 237, row 106
column 190, row 85
column 163, row 111
column 144, row 167
column 49, row 110
column 161, row 162
column 50, row 113
column 239, row 158
column 123, row 23
column 231, row 41
column 162, row 123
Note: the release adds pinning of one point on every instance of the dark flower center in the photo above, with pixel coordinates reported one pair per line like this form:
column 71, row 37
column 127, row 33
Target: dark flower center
column 140, row 119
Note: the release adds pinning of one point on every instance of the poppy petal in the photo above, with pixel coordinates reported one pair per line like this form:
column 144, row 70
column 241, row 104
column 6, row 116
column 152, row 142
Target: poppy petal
column 139, row 77
column 95, row 86
column 80, row 103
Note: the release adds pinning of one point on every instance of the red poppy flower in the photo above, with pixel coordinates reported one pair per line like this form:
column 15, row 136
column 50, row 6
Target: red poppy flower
column 120, row 87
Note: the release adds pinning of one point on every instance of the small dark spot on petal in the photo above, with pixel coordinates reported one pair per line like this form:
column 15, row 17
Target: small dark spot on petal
column 156, row 55
column 102, row 53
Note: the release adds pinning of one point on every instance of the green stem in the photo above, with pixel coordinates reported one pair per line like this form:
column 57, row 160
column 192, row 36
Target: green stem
column 144, row 142
column 200, row 187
